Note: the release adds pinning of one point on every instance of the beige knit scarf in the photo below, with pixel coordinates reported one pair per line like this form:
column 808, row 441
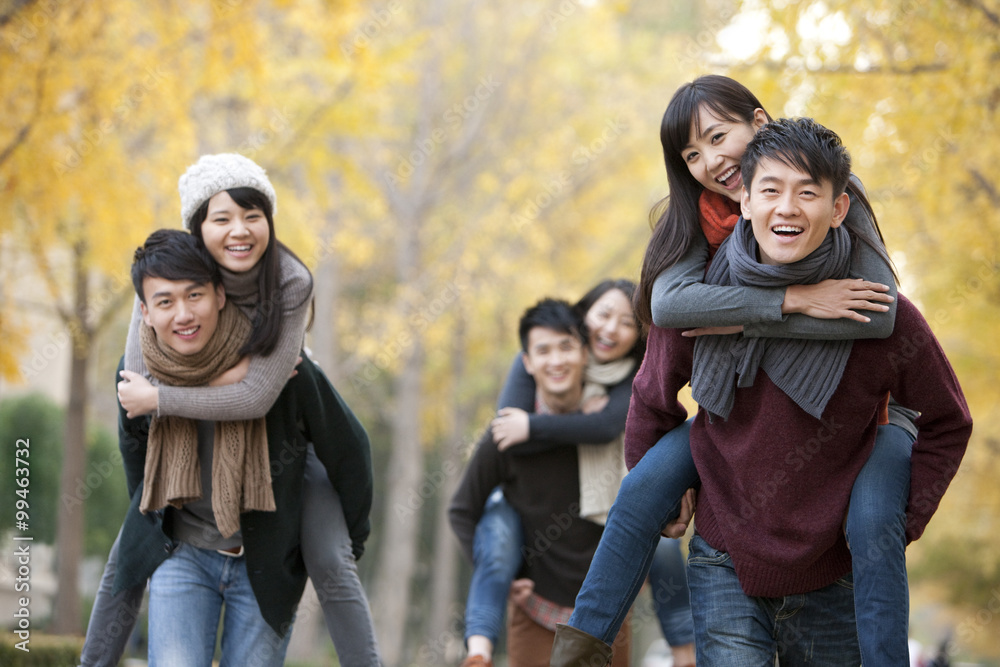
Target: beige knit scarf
column 241, row 471
column 601, row 467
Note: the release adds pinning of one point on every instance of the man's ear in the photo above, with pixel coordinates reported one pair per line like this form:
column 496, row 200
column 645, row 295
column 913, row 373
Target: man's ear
column 145, row 314
column 528, row 366
column 840, row 207
column 220, row 293
column 745, row 203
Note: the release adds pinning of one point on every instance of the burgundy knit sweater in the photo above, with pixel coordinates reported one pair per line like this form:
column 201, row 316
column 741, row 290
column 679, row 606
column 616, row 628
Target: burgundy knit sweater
column 775, row 481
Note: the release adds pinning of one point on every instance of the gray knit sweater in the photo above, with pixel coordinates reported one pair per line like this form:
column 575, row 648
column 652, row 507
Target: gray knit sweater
column 266, row 376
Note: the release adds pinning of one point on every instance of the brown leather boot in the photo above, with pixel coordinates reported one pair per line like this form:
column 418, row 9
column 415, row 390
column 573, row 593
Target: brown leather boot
column 575, row 648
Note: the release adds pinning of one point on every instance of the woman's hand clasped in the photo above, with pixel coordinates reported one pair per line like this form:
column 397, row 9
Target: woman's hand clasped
column 510, row 427
column 137, row 395
column 835, row 299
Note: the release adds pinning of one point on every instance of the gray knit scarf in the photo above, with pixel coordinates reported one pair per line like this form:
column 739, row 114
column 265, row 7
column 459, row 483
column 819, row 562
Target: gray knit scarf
column 808, row 371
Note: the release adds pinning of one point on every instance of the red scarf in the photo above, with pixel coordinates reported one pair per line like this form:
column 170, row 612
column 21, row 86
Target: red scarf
column 718, row 215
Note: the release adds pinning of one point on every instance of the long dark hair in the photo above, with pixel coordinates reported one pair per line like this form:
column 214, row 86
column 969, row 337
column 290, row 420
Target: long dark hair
column 675, row 218
column 269, row 313
column 623, row 285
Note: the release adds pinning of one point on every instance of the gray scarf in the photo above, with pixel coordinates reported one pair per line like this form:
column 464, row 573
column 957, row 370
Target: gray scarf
column 807, row 370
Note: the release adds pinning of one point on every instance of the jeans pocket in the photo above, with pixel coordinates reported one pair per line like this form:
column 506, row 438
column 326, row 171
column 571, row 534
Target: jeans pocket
column 846, row 581
column 700, row 553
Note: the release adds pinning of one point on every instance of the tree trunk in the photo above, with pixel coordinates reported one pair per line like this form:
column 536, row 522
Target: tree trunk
column 400, row 525
column 446, row 624
column 326, row 290
column 404, row 506
column 323, row 333
column 66, row 617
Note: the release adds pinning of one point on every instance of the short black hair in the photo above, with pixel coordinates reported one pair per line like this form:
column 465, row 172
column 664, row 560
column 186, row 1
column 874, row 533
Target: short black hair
column 173, row 255
column 800, row 143
column 555, row 314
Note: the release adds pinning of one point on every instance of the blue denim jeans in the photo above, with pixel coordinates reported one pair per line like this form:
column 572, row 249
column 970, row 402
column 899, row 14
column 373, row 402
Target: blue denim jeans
column 737, row 630
column 876, row 532
column 648, row 499
column 186, row 596
column 496, row 558
column 668, row 585
column 326, row 550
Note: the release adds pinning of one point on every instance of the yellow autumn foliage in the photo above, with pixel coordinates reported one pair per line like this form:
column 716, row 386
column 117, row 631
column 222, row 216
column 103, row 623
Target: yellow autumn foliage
column 441, row 166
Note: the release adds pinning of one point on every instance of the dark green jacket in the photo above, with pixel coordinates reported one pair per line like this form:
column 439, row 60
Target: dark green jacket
column 309, row 409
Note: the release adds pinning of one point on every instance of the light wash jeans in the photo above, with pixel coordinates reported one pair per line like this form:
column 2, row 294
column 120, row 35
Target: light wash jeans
column 326, row 550
column 737, row 630
column 649, row 499
column 187, row 594
column 496, row 558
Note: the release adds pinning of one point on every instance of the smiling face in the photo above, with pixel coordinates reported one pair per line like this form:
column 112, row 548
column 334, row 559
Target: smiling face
column 556, row 360
column 611, row 324
column 715, row 148
column 790, row 212
column 235, row 236
column 184, row 314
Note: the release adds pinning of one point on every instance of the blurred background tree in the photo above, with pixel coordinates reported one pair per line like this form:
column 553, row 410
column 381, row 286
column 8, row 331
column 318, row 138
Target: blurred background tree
column 441, row 166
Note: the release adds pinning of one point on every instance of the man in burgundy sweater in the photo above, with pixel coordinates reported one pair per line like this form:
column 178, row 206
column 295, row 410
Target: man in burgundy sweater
column 785, row 426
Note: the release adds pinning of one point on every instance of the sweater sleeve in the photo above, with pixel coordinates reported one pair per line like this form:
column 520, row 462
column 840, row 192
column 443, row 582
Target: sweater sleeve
column 681, row 299
column 924, row 380
column 549, row 431
column 343, row 447
column 483, row 473
column 133, row 436
column 266, row 377
column 133, row 351
column 519, row 388
column 654, row 409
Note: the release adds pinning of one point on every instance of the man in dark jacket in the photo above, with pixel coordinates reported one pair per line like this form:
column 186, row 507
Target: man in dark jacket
column 543, row 488
column 198, row 561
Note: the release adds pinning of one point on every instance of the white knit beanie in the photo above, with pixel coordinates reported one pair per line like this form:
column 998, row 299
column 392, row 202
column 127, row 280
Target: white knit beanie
column 212, row 174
